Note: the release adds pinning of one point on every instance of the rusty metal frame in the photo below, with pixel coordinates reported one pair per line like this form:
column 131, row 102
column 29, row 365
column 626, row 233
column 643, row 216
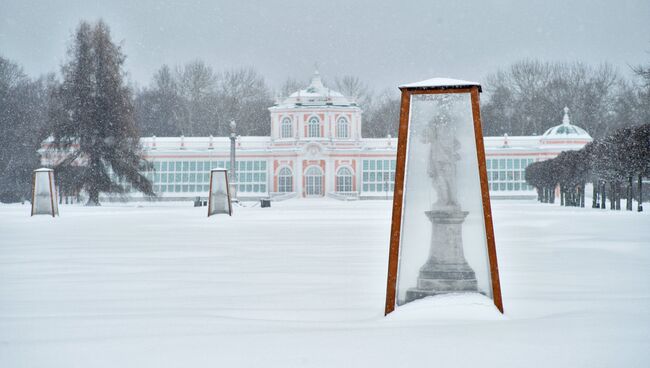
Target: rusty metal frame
column 50, row 179
column 398, row 196
column 33, row 190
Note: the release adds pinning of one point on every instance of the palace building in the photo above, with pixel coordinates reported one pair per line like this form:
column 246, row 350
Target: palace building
column 315, row 149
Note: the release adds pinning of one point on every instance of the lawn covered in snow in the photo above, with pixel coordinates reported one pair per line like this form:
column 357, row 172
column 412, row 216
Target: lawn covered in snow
column 302, row 284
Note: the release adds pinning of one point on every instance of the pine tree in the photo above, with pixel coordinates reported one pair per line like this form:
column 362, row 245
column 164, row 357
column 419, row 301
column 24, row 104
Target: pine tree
column 92, row 115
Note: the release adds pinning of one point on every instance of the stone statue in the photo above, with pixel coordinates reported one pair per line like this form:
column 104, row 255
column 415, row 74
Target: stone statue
column 443, row 155
column 446, row 269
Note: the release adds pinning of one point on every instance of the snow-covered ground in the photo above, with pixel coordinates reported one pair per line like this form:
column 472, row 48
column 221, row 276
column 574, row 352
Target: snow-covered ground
column 302, row 284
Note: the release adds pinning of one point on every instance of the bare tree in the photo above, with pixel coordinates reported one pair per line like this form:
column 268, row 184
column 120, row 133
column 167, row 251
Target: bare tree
column 382, row 118
column 244, row 97
column 23, row 111
column 197, row 84
column 290, row 86
column 160, row 109
column 528, row 97
column 351, row 86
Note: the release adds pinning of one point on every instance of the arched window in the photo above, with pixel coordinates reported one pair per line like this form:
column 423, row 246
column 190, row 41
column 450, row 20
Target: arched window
column 344, row 180
column 314, row 182
column 313, row 127
column 285, row 128
column 342, row 128
column 285, row 180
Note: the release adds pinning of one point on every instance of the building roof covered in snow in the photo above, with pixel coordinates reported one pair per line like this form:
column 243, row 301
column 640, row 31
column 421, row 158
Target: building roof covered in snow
column 316, row 94
column 566, row 130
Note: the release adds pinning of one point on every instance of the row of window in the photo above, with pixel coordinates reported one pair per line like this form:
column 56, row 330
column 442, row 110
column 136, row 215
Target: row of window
column 200, row 166
column 508, row 174
column 194, row 176
column 378, row 175
column 314, row 128
column 313, row 180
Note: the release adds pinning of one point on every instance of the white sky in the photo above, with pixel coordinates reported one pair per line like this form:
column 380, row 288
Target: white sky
column 385, row 43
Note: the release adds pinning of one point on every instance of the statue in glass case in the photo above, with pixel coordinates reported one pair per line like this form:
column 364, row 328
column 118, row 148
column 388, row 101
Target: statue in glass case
column 446, row 270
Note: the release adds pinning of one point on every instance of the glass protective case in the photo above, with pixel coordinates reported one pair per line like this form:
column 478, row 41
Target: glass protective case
column 219, row 196
column 443, row 242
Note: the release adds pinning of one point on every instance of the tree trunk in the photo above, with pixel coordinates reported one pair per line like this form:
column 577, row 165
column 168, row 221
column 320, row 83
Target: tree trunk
column 618, row 196
column 603, row 199
column 93, row 198
column 582, row 195
column 562, row 196
column 574, row 196
column 640, row 204
column 594, row 195
column 552, row 190
column 628, row 205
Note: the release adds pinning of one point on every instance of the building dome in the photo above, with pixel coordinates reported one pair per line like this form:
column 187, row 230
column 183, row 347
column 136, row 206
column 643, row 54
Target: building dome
column 566, row 130
column 316, row 94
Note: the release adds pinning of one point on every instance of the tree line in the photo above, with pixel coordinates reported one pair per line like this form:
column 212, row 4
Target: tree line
column 615, row 166
column 527, row 98
column 195, row 100
column 89, row 114
column 90, row 111
column 23, row 119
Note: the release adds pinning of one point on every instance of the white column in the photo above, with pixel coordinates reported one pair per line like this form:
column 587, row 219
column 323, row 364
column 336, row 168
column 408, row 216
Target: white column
column 269, row 176
column 294, row 125
column 297, row 175
column 357, row 174
column 330, row 172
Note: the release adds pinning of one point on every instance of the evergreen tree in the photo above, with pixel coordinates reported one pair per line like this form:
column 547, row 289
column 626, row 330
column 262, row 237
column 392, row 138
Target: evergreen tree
column 22, row 118
column 92, row 115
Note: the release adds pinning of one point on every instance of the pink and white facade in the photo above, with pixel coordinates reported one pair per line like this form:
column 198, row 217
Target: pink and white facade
column 316, row 149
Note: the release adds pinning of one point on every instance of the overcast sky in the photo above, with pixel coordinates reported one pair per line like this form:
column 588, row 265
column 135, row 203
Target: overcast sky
column 383, row 42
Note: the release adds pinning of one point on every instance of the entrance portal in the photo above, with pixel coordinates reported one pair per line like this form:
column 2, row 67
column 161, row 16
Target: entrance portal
column 314, row 182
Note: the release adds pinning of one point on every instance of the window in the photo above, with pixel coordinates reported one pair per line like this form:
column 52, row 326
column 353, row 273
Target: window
column 314, row 181
column 313, row 128
column 378, row 175
column 285, row 180
column 342, row 128
column 285, row 128
column 251, row 176
column 193, row 175
column 344, row 180
column 508, row 174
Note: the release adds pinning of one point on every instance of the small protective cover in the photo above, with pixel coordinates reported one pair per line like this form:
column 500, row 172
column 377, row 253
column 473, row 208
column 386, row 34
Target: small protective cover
column 219, row 196
column 44, row 193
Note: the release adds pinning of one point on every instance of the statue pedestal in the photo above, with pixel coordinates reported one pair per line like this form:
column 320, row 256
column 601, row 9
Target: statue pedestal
column 446, row 270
